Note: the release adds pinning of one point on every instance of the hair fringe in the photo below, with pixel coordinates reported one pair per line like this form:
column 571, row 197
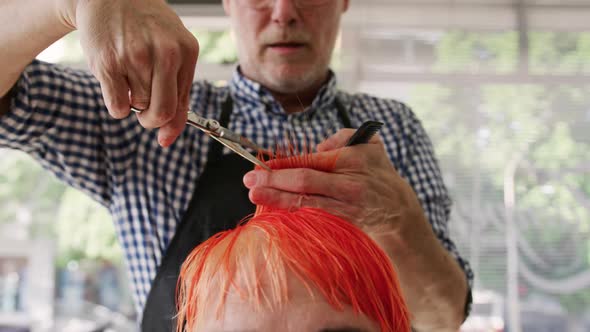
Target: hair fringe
column 318, row 247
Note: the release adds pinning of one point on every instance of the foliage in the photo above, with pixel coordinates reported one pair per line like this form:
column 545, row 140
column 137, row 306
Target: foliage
column 559, row 52
column 478, row 130
column 27, row 195
column 463, row 51
column 85, row 230
column 216, row 46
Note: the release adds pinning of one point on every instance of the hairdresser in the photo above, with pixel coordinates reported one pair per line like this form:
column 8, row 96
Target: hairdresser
column 169, row 188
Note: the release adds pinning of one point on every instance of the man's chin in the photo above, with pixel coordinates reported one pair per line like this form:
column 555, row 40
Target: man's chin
column 292, row 80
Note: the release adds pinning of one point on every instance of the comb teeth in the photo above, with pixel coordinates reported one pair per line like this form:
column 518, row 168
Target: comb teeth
column 364, row 133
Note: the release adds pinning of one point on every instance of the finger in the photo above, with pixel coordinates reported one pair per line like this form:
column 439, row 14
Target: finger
column 170, row 131
column 164, row 97
column 303, row 181
column 187, row 72
column 139, row 87
column 336, row 141
column 115, row 93
column 338, row 161
column 286, row 200
column 139, row 59
column 340, row 139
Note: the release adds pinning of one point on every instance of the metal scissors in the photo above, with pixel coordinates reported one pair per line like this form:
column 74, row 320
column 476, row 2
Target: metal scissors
column 233, row 141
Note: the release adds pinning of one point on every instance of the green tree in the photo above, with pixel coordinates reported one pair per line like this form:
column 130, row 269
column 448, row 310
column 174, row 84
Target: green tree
column 477, row 129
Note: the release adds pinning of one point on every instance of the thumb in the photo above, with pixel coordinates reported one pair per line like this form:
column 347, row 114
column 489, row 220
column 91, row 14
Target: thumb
column 335, row 141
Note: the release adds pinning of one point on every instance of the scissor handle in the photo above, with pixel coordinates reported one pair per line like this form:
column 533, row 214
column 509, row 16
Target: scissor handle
column 208, row 125
column 214, row 128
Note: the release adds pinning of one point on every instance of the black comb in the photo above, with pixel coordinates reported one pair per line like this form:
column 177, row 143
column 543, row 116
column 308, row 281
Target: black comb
column 364, row 133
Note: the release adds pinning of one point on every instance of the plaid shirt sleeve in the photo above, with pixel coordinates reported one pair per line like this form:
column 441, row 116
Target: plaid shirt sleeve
column 58, row 116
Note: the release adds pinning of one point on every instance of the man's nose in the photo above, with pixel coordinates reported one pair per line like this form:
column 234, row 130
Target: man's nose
column 284, row 12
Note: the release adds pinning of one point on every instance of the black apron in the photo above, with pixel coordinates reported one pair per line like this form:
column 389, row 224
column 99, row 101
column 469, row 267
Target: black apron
column 220, row 186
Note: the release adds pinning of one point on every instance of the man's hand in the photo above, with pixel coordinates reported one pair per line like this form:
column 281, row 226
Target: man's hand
column 143, row 57
column 364, row 187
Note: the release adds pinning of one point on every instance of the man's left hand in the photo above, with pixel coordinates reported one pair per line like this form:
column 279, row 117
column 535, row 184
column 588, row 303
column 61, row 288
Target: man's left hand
column 363, row 187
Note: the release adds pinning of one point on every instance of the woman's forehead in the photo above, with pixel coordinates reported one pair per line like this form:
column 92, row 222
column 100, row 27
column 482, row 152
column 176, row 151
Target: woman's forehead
column 305, row 310
column 300, row 315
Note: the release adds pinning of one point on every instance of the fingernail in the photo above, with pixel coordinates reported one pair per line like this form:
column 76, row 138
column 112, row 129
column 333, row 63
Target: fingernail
column 166, row 141
column 250, row 179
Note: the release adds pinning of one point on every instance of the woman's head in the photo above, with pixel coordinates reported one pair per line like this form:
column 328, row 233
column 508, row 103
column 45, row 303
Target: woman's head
column 303, row 270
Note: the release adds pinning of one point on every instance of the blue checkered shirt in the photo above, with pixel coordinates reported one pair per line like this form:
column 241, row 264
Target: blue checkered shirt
column 58, row 116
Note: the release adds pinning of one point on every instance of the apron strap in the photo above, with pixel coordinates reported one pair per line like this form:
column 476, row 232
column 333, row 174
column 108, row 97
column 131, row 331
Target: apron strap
column 342, row 113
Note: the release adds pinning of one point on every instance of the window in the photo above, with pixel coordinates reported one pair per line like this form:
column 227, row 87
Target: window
column 503, row 91
column 505, row 100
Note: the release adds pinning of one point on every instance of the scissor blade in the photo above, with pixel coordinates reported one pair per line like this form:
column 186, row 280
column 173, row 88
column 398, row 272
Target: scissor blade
column 241, row 151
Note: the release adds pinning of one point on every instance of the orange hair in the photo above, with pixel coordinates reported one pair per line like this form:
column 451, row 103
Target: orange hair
column 324, row 251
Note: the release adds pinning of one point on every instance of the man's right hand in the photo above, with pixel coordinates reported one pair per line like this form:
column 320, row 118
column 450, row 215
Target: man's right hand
column 143, row 57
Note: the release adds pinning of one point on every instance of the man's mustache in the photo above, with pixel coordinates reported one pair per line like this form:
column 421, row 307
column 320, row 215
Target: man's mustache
column 285, row 37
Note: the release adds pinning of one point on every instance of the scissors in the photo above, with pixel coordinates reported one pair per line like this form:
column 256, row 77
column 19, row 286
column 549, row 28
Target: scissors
column 233, row 141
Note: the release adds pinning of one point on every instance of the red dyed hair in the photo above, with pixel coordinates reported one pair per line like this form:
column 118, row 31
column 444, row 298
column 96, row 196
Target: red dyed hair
column 325, row 252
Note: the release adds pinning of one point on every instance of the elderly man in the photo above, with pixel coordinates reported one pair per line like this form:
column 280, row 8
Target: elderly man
column 170, row 189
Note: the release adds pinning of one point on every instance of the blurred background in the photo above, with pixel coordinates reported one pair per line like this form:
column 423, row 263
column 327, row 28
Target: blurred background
column 503, row 89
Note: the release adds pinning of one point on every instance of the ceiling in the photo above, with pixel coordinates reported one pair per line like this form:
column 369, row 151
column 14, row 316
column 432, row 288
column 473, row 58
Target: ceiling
column 494, row 15
column 552, row 3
